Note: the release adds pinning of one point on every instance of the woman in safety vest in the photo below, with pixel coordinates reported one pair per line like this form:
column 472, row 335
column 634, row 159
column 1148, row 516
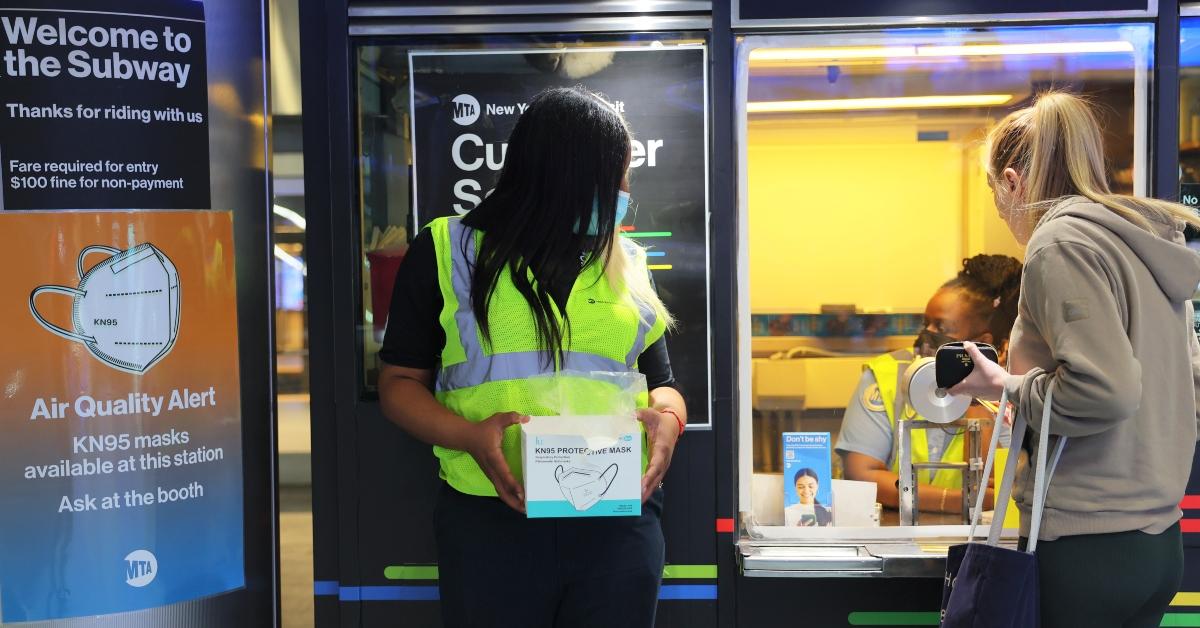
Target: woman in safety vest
column 532, row 281
column 979, row 304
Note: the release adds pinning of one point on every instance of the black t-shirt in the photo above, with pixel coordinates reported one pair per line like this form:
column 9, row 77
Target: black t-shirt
column 415, row 337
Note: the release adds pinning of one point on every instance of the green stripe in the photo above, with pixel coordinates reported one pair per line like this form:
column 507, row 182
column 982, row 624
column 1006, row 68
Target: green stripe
column 430, row 572
column 411, row 572
column 1181, row 620
column 695, row 572
column 894, row 619
column 647, row 234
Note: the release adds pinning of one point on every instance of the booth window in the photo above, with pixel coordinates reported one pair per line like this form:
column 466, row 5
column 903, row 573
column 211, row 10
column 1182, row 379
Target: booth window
column 389, row 190
column 862, row 192
column 1189, row 126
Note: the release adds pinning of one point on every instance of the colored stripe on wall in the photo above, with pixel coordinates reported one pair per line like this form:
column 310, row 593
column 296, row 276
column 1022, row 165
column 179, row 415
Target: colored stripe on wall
column 724, row 525
column 893, row 618
column 1186, row 598
column 687, row 592
column 898, row 618
column 387, row 594
column 690, row 572
column 430, row 572
column 1190, row 526
column 411, row 572
column 648, row 234
column 410, row 593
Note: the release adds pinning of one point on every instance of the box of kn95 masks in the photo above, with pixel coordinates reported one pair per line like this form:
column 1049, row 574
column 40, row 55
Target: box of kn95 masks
column 582, row 466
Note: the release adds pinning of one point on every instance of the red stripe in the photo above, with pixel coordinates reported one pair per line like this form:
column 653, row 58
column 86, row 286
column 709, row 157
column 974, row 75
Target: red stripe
column 627, row 227
column 724, row 525
column 1190, row 526
column 1190, row 502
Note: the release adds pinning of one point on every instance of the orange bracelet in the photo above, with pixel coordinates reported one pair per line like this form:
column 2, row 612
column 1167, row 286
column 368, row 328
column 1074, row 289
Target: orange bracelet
column 677, row 419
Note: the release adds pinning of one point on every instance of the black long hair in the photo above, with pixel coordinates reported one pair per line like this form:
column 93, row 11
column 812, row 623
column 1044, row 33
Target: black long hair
column 568, row 151
column 807, row 472
column 992, row 284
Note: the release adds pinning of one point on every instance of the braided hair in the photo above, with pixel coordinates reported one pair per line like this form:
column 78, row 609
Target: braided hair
column 992, row 285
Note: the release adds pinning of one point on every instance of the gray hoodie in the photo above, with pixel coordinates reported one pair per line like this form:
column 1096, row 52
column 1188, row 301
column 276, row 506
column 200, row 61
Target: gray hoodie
column 1105, row 317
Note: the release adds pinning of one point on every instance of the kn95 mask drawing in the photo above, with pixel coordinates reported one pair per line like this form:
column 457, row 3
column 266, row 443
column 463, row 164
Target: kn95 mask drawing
column 584, row 486
column 125, row 309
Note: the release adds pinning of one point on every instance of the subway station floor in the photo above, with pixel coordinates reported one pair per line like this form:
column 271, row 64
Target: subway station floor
column 296, row 556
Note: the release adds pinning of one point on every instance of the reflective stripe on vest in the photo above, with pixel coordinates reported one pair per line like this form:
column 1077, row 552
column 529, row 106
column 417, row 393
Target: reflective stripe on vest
column 480, row 368
column 889, row 371
column 477, row 379
column 646, row 319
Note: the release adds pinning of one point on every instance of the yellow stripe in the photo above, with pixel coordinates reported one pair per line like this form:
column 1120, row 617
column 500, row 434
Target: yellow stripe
column 659, row 266
column 1186, row 598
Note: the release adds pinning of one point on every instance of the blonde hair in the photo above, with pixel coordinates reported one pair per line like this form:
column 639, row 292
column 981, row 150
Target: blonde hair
column 1057, row 148
column 627, row 267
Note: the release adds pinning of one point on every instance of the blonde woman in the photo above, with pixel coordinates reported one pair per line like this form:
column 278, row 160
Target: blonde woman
column 1105, row 321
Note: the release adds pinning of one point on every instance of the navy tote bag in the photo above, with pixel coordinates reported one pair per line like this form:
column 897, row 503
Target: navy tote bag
column 989, row 586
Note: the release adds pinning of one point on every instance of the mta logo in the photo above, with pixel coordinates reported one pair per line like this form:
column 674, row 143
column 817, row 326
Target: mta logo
column 465, row 109
column 141, row 567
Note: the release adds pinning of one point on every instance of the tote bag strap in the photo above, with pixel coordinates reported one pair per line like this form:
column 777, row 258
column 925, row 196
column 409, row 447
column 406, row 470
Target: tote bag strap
column 1004, row 491
column 1041, row 478
column 977, row 514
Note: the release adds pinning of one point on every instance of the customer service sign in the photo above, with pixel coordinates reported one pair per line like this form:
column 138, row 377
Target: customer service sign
column 465, row 104
column 120, row 420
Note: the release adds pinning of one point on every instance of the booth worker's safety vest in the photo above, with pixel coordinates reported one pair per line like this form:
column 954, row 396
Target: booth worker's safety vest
column 477, row 379
column 888, row 369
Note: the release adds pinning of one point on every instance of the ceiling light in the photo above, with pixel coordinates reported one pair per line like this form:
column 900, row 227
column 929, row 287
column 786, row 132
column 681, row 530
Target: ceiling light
column 831, row 55
column 864, row 104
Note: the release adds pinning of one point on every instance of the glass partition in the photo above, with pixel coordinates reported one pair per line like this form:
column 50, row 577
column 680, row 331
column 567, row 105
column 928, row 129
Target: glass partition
column 1189, row 126
column 1189, row 112
column 861, row 193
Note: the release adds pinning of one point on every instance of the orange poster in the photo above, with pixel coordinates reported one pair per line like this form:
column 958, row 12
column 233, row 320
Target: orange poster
column 120, row 430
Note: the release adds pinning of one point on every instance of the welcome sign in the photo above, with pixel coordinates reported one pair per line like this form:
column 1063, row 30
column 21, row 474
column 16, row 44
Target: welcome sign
column 104, row 106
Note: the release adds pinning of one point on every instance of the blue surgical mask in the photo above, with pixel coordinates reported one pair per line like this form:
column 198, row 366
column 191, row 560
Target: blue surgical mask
column 622, row 209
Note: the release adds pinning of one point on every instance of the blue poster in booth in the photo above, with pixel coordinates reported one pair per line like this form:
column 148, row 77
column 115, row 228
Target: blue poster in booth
column 807, row 479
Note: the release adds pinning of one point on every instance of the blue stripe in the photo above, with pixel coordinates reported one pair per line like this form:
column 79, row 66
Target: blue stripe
column 656, row 253
column 430, row 593
column 687, row 592
column 388, row 594
column 325, row 587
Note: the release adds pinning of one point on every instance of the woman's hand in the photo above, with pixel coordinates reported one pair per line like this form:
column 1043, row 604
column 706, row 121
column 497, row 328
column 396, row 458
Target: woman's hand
column 483, row 444
column 662, row 431
column 986, row 380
